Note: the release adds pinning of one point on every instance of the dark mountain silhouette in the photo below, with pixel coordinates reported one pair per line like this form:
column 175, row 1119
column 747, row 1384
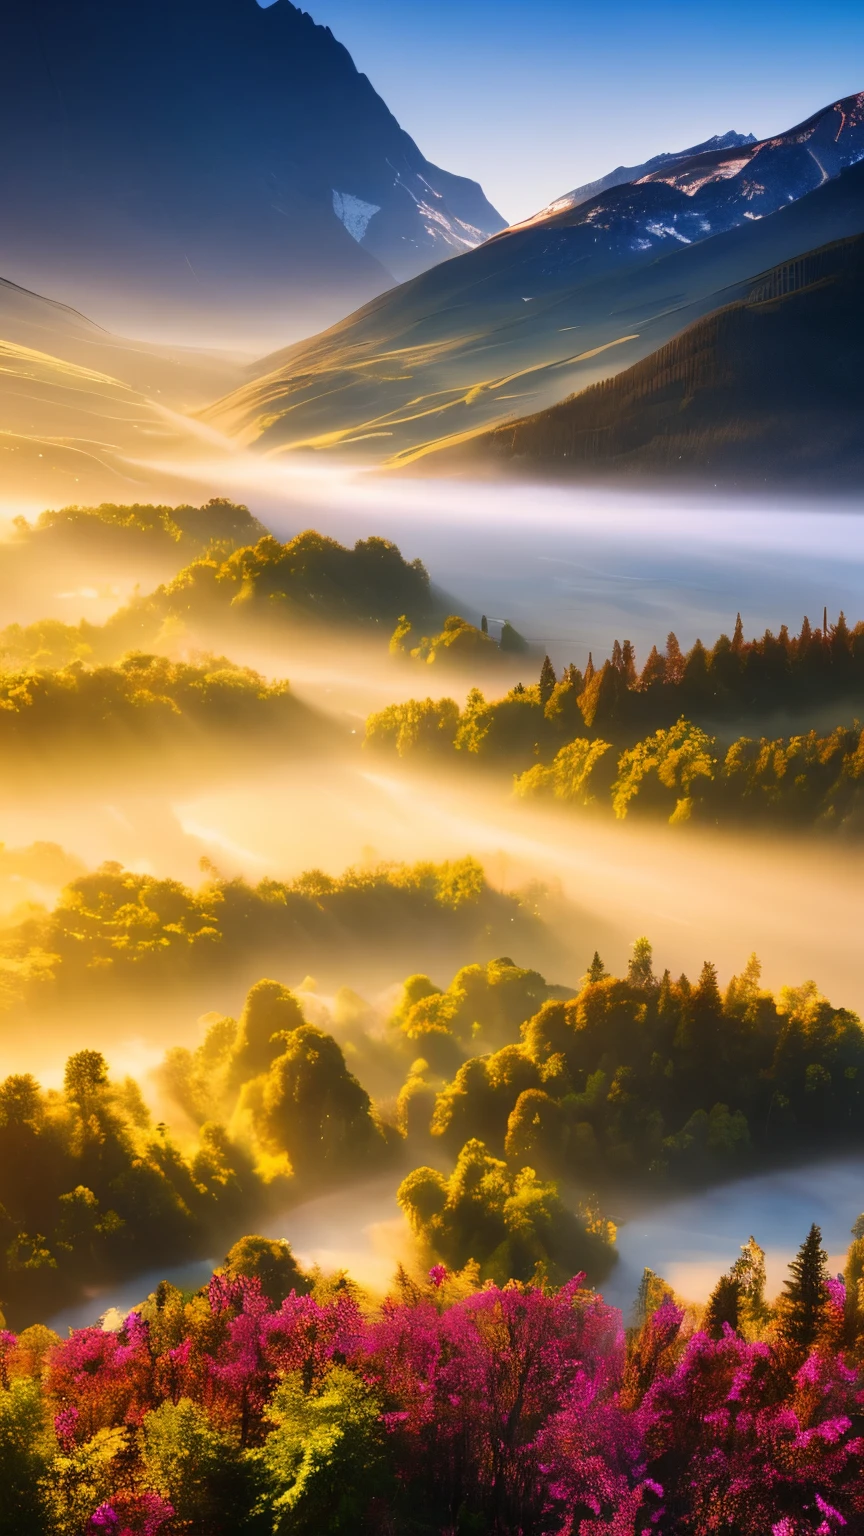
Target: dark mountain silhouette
column 550, row 307
column 622, row 173
column 209, row 166
column 767, row 388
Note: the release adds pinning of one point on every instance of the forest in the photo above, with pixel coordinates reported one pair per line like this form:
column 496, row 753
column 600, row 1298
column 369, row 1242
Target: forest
column 114, row 930
column 536, row 1101
column 735, row 680
column 410, row 1024
column 311, row 582
column 575, row 739
column 280, row 1402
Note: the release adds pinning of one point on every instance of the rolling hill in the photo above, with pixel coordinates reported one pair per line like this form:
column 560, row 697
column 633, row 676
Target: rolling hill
column 210, row 170
column 550, row 307
column 767, row 388
column 89, row 416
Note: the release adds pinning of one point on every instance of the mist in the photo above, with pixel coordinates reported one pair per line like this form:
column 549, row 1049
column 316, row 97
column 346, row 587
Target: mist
column 572, row 570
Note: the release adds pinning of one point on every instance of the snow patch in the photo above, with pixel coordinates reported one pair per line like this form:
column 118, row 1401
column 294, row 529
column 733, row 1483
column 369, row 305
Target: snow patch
column 667, row 229
column 354, row 213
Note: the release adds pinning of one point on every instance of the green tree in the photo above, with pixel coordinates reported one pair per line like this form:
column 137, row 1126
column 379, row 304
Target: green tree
column 199, row 1469
column 24, row 1459
column 802, row 1305
column 325, row 1460
column 86, row 1072
column 548, row 681
column 269, row 1013
column 270, row 1261
column 311, row 1107
column 597, row 970
column 724, row 1307
column 639, row 971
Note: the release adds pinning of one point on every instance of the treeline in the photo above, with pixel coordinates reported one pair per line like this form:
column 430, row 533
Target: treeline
column 117, row 929
column 140, row 528
column 684, row 775
column 735, row 680
column 636, row 1080
column 309, row 581
column 148, row 702
column 276, row 1404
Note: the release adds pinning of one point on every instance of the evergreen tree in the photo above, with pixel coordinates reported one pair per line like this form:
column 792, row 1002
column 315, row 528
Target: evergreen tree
column 738, row 635
column 724, row 1306
column 674, row 659
column 654, row 670
column 805, row 1293
column 547, row 681
column 596, row 970
column 589, row 670
column 707, row 994
column 628, row 663
column 617, row 656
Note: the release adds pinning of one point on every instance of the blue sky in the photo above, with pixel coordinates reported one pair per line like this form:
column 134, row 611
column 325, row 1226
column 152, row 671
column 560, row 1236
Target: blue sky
column 533, row 97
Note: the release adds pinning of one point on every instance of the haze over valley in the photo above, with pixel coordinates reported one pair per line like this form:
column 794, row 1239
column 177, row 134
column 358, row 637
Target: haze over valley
column 431, row 799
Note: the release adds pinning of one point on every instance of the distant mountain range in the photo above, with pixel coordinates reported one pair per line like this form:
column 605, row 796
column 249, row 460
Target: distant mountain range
column 623, row 173
column 769, row 387
column 208, row 170
column 552, row 306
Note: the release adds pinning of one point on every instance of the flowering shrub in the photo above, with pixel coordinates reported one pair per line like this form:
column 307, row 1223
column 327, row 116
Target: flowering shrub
column 449, row 1409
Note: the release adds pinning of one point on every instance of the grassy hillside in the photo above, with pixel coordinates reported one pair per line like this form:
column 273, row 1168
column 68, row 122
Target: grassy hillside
column 769, row 387
column 501, row 331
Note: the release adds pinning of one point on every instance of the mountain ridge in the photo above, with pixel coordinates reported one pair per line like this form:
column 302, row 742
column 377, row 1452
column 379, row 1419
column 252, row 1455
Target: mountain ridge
column 539, row 311
column 184, row 164
column 625, row 173
column 766, row 388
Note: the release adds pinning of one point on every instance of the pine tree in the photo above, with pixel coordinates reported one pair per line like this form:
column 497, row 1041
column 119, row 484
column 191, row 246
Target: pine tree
column 707, row 993
column 628, row 661
column 803, row 1303
column 674, row 659
column 738, row 636
column 589, row 670
column 617, row 656
column 724, row 1306
column 596, row 970
column 547, row 681
column 654, row 670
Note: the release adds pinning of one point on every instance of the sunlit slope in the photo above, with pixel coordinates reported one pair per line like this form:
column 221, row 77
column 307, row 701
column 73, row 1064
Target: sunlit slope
column 768, row 387
column 71, row 433
column 179, row 377
column 506, row 330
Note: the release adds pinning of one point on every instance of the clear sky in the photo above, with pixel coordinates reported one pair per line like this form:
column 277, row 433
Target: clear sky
column 533, row 97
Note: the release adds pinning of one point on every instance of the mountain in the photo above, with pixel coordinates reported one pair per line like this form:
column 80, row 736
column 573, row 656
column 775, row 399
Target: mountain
column 89, row 416
column 208, row 170
column 183, row 377
column 545, row 309
column 768, row 388
column 624, row 173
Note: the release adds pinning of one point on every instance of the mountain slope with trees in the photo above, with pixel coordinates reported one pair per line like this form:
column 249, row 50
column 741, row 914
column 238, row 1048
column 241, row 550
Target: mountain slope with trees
column 552, row 306
column 767, row 389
